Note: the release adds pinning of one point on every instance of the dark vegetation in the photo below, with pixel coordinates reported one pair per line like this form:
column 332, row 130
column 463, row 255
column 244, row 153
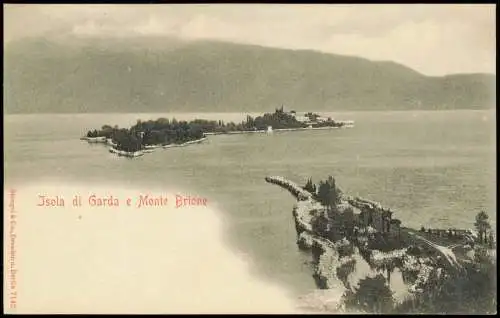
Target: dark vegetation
column 327, row 192
column 372, row 295
column 164, row 131
column 471, row 291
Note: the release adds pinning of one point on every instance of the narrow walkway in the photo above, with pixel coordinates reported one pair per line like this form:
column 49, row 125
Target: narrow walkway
column 292, row 187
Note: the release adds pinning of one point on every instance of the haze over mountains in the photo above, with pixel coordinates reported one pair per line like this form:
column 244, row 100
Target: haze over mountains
column 167, row 75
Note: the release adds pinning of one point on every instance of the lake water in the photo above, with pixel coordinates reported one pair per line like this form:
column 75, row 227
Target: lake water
column 434, row 168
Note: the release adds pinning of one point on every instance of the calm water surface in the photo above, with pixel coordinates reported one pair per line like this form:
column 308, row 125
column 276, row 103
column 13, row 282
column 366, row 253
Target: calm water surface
column 434, row 168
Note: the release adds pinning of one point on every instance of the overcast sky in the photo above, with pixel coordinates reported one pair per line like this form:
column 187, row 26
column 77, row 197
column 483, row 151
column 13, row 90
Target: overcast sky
column 432, row 39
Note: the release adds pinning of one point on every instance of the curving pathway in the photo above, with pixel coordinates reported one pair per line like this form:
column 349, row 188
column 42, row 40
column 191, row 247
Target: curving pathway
column 445, row 251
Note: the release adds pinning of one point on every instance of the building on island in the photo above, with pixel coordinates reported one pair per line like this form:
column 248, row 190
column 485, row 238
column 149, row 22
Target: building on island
column 302, row 119
column 374, row 215
column 395, row 228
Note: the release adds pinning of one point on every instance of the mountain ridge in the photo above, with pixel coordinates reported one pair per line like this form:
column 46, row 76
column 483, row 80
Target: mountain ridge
column 163, row 75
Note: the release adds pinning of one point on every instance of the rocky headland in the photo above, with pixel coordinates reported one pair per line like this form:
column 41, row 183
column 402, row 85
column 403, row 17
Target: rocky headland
column 381, row 266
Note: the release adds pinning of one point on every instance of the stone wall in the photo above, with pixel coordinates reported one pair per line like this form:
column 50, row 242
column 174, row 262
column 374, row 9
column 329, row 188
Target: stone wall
column 373, row 214
column 457, row 233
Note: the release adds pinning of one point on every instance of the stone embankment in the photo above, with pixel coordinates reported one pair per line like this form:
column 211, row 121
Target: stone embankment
column 343, row 124
column 362, row 203
column 328, row 258
column 133, row 154
column 296, row 190
column 130, row 154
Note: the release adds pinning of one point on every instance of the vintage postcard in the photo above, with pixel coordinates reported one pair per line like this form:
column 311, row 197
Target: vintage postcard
column 249, row 158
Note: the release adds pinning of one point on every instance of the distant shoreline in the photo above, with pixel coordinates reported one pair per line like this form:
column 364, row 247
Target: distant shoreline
column 280, row 130
column 337, row 111
column 151, row 148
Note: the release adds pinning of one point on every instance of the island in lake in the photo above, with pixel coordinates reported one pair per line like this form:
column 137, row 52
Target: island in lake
column 145, row 136
column 359, row 247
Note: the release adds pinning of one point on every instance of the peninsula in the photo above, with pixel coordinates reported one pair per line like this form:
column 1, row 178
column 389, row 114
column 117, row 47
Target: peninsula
column 144, row 137
column 359, row 245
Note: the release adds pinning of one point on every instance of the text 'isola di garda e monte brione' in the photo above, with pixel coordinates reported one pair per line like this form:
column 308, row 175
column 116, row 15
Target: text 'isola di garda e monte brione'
column 140, row 201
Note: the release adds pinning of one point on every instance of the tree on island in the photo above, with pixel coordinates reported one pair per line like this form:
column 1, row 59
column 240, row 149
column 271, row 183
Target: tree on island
column 164, row 131
column 92, row 133
column 319, row 224
column 349, row 221
column 482, row 225
column 328, row 193
column 344, row 270
column 310, row 186
column 373, row 295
